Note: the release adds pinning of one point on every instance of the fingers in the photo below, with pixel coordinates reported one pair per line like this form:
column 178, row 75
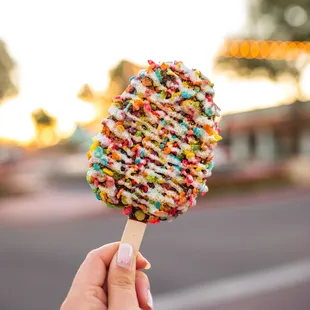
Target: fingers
column 93, row 269
column 121, row 279
column 143, row 291
column 142, row 262
column 90, row 279
column 87, row 284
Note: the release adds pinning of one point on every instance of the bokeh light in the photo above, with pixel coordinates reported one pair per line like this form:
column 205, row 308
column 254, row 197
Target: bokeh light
column 246, row 243
column 274, row 50
column 296, row 15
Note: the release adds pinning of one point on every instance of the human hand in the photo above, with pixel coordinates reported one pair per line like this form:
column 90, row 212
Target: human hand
column 111, row 278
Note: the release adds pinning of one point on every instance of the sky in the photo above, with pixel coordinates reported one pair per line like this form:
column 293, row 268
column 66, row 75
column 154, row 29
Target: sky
column 59, row 45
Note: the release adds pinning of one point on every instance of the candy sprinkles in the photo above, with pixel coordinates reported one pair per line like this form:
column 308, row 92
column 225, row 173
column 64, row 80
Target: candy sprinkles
column 155, row 150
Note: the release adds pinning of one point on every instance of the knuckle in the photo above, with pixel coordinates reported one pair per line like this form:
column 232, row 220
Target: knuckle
column 141, row 275
column 95, row 291
column 123, row 282
column 91, row 254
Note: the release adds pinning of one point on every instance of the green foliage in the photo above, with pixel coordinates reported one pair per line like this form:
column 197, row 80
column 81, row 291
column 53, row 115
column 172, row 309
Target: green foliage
column 42, row 118
column 279, row 16
column 272, row 20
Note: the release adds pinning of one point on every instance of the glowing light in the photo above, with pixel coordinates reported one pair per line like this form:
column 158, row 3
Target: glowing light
column 305, row 80
column 296, row 15
column 243, row 89
column 47, row 137
column 254, row 49
column 275, row 50
column 65, row 128
column 301, row 47
column 15, row 122
column 234, row 49
column 273, row 54
column 292, row 51
column 244, row 49
column 282, row 50
column 264, row 50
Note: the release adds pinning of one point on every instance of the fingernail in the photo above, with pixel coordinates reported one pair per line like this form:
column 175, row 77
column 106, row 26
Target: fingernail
column 149, row 299
column 148, row 265
column 124, row 255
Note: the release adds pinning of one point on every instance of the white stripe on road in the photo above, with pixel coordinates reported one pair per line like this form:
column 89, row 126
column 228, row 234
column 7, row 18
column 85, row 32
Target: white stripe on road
column 227, row 290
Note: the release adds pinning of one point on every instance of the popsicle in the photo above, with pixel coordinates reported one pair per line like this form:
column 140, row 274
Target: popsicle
column 155, row 151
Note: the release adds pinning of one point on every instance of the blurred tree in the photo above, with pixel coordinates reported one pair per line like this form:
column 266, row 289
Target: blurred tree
column 42, row 118
column 119, row 79
column 45, row 125
column 86, row 93
column 276, row 20
column 7, row 87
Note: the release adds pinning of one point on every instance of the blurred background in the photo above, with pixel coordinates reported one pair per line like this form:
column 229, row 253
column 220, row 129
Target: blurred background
column 247, row 243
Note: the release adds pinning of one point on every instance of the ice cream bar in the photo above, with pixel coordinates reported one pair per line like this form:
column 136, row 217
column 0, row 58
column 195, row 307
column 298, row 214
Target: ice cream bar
column 154, row 153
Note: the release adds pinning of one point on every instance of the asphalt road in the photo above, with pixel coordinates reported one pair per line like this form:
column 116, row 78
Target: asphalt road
column 37, row 263
column 297, row 297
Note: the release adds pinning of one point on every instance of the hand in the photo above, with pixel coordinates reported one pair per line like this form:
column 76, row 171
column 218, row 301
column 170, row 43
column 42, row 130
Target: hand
column 110, row 278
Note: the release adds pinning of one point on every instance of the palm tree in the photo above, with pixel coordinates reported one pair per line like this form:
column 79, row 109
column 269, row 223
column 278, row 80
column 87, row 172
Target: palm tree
column 45, row 127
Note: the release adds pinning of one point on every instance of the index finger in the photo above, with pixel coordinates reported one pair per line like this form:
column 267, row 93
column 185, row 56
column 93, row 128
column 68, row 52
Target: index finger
column 94, row 268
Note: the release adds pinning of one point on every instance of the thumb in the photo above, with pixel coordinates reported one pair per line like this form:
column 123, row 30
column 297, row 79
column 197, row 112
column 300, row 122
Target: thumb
column 121, row 279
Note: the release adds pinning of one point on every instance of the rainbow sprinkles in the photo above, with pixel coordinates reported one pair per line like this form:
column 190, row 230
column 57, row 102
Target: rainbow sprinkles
column 154, row 153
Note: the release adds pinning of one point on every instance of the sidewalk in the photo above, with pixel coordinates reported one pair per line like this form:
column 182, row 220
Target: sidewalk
column 52, row 205
column 55, row 205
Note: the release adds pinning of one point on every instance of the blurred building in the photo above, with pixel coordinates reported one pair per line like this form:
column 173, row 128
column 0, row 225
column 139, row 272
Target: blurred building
column 264, row 148
column 268, row 135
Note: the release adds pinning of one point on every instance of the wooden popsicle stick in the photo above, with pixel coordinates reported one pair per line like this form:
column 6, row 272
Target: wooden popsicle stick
column 133, row 233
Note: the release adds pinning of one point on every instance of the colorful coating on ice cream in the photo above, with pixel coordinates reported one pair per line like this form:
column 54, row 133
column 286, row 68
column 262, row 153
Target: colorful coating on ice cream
column 154, row 153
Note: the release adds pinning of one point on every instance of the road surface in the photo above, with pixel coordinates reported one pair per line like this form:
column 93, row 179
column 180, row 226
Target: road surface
column 205, row 246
